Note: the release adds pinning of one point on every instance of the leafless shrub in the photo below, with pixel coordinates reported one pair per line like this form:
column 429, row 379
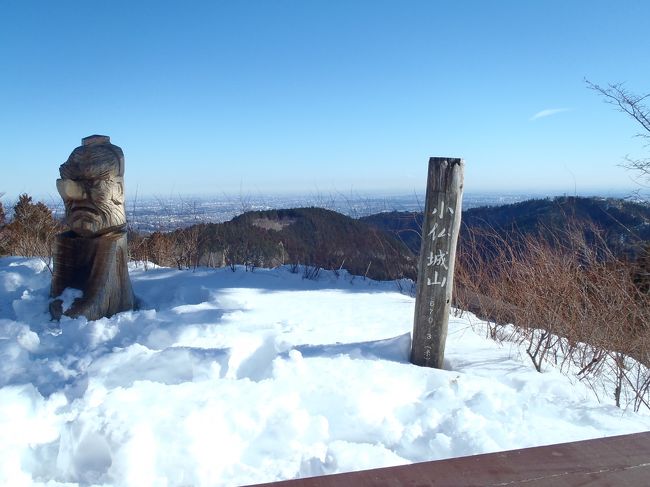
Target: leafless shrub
column 310, row 272
column 575, row 303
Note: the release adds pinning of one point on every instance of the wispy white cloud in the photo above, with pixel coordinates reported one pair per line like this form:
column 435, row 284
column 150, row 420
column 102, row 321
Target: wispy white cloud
column 548, row 112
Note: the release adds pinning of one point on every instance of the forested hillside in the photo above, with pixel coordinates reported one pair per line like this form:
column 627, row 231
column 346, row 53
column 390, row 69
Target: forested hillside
column 625, row 225
column 312, row 237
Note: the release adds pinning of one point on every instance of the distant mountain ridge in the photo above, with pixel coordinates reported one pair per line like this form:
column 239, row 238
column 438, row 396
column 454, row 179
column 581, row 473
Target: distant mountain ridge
column 625, row 224
column 313, row 237
column 381, row 246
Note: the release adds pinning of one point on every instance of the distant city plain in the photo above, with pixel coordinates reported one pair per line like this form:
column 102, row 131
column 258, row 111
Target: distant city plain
column 150, row 214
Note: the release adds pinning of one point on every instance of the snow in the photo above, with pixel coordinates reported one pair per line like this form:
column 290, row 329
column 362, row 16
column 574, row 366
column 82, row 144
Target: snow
column 231, row 378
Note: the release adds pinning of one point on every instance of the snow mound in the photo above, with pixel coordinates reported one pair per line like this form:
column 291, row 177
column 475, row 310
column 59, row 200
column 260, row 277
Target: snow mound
column 230, row 378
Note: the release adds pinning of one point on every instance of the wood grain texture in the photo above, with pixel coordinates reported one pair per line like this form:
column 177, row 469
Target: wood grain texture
column 96, row 266
column 92, row 256
column 615, row 461
column 440, row 228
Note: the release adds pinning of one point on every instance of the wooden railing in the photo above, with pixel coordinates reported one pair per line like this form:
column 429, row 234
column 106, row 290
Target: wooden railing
column 615, row 461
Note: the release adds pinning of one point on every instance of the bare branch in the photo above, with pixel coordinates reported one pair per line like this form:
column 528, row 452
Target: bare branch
column 616, row 94
column 634, row 106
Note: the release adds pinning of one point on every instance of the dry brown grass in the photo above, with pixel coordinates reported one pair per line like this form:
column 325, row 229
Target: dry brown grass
column 575, row 303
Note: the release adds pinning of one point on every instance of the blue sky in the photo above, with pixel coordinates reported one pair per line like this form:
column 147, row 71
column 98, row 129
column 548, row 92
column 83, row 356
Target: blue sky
column 320, row 96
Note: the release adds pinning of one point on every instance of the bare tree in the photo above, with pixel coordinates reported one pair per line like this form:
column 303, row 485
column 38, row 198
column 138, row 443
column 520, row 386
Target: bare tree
column 634, row 106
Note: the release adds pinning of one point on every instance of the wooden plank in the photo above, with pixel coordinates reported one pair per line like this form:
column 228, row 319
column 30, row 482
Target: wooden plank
column 440, row 228
column 614, row 461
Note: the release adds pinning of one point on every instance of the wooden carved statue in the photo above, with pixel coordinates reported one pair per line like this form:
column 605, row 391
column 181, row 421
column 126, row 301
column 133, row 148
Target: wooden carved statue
column 92, row 256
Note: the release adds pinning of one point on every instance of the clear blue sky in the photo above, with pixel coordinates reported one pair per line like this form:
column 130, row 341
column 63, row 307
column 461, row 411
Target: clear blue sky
column 332, row 95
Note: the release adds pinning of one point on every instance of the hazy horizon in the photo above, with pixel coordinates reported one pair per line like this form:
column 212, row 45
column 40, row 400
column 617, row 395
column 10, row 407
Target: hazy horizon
column 163, row 213
column 53, row 198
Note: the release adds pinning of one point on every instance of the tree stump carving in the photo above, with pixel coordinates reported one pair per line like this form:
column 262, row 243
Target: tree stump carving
column 92, row 256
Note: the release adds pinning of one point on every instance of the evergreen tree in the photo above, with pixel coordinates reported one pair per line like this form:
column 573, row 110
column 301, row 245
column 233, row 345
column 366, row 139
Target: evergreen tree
column 32, row 230
column 3, row 234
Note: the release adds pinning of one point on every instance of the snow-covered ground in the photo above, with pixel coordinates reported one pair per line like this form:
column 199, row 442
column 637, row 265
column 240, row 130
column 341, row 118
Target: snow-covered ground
column 230, row 378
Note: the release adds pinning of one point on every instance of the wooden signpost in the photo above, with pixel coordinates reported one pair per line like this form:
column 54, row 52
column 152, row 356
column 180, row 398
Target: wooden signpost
column 440, row 228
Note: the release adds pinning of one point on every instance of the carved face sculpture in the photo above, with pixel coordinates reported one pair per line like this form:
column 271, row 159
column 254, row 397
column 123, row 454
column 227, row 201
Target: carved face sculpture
column 92, row 187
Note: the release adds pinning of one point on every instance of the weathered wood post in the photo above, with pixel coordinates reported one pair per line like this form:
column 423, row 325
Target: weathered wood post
column 440, row 228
